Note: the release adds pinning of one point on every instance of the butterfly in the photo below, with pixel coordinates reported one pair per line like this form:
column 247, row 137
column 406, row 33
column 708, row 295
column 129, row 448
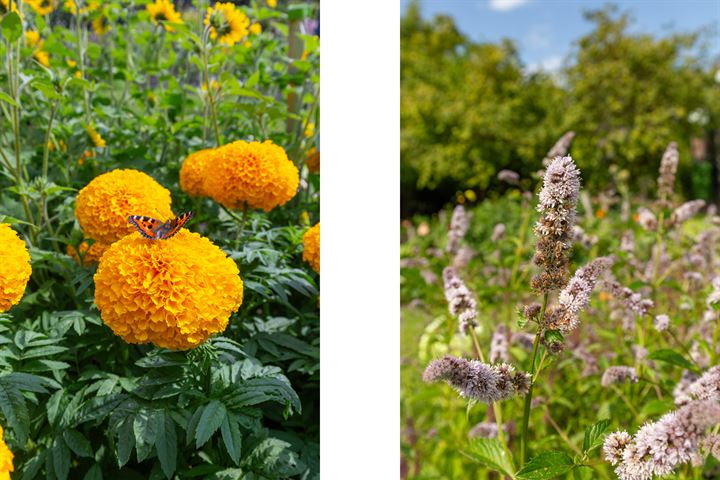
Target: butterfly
column 154, row 229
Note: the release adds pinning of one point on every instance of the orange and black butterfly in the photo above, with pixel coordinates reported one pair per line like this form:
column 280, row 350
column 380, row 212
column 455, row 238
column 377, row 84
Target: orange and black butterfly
column 154, row 229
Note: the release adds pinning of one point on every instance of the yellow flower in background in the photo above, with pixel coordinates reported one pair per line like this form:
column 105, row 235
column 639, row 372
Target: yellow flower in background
column 5, row 7
column 259, row 175
column 101, row 25
column 61, row 145
column 32, row 39
column 41, row 7
column 95, row 137
column 71, row 63
column 256, row 29
column 104, row 204
column 6, row 458
column 309, row 130
column 272, row 3
column 213, row 84
column 311, row 247
column 192, row 172
column 15, row 267
column 313, row 160
column 173, row 293
column 228, row 25
column 164, row 11
column 91, row 254
column 85, row 155
column 304, row 218
column 42, row 57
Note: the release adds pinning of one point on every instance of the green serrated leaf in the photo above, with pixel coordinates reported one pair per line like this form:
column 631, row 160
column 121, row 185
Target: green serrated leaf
column 126, row 441
column 60, row 458
column 78, row 443
column 594, row 435
column 166, row 443
column 491, row 453
column 672, row 357
column 547, row 465
column 231, row 438
column 210, row 420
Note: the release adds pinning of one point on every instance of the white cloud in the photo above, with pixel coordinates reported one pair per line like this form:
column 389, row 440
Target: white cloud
column 505, row 5
column 538, row 37
column 549, row 64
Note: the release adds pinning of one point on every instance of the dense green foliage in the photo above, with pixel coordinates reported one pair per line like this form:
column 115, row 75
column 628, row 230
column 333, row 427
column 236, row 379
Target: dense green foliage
column 75, row 400
column 469, row 110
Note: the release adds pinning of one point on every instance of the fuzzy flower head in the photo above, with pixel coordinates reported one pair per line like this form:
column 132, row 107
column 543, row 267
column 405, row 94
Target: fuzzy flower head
column 15, row 267
column 619, row 374
column 574, row 298
column 311, row 247
column 658, row 448
column 256, row 174
column 499, row 345
column 509, row 177
column 647, row 219
column 458, row 228
column 163, row 12
column 632, row 301
column 666, row 180
column 228, row 25
column 192, row 172
column 683, row 213
column 560, row 148
column 707, row 387
column 86, row 254
column 104, row 204
column 558, row 201
column 661, row 322
column 173, row 293
column 460, row 301
column 6, row 459
column 476, row 380
column 498, row 232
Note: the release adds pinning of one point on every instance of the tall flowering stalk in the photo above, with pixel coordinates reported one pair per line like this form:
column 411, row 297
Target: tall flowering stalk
column 554, row 232
column 666, row 180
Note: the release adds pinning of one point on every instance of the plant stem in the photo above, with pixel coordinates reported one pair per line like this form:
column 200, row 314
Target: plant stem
column 496, row 408
column 211, row 100
column 528, row 397
column 476, row 344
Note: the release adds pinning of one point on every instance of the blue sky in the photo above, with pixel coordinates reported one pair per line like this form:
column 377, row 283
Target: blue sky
column 544, row 30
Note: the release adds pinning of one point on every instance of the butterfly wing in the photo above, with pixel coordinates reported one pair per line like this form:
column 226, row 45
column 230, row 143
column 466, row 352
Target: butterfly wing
column 175, row 225
column 145, row 225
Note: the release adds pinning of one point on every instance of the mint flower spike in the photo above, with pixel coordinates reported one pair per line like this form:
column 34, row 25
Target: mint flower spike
column 477, row 380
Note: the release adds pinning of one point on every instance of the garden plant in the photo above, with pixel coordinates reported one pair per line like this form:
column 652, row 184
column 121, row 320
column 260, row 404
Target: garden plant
column 160, row 237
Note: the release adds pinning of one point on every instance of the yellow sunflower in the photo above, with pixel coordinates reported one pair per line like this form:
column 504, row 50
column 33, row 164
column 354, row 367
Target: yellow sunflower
column 173, row 293
column 5, row 7
column 192, row 173
column 163, row 12
column 6, row 458
column 15, row 267
column 104, row 204
column 228, row 25
column 72, row 7
column 33, row 40
column 311, row 247
column 101, row 25
column 41, row 7
column 255, row 174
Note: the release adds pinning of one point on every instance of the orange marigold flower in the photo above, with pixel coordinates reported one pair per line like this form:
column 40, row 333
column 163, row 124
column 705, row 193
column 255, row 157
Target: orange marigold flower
column 228, row 25
column 104, row 204
column 90, row 254
column 313, row 160
column 192, row 172
column 173, row 293
column 15, row 267
column 6, row 459
column 257, row 174
column 311, row 247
